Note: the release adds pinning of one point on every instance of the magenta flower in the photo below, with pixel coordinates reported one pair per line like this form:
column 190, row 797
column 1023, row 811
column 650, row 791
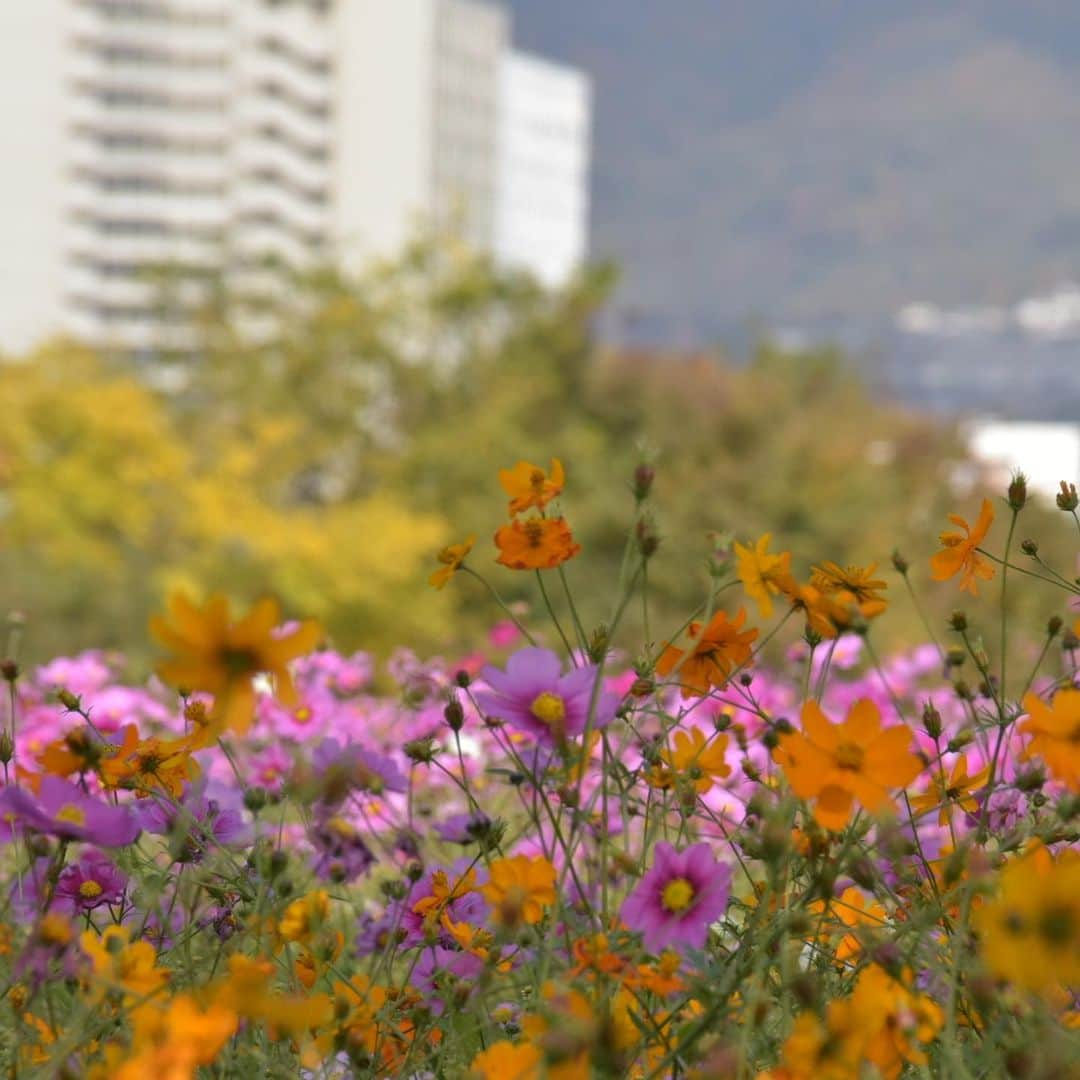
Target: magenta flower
column 680, row 896
column 534, row 696
column 61, row 809
column 89, row 883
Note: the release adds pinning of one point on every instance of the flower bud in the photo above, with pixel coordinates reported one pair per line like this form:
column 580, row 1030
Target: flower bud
column 1017, row 493
column 599, row 643
column 69, row 700
column 1054, row 625
column 643, row 481
column 7, row 748
column 463, row 679
column 9, row 670
column 1067, row 499
column 421, row 751
column 962, row 739
column 900, row 564
column 1069, row 641
column 1029, row 547
column 648, row 539
column 958, row 621
column 931, row 720
column 454, row 715
column 255, row 799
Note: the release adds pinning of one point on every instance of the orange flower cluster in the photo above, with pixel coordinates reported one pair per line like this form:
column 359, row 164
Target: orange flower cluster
column 539, row 542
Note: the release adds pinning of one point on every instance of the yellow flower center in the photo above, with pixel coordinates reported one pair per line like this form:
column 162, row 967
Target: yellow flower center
column 88, row 890
column 849, row 756
column 72, row 814
column 678, row 895
column 549, row 709
column 536, row 480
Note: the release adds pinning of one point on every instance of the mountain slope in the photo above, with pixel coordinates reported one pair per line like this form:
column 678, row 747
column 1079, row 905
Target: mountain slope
column 818, row 160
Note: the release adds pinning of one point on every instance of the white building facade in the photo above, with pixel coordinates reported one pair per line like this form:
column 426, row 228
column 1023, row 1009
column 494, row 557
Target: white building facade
column 207, row 134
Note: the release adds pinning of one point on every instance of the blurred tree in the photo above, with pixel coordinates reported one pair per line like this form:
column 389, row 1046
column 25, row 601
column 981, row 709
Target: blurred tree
column 324, row 444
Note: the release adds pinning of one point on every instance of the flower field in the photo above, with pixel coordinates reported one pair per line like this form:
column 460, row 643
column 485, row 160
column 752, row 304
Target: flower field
column 747, row 846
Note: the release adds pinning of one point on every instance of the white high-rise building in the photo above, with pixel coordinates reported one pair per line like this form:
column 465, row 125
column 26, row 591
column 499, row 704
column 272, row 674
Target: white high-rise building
column 543, row 206
column 207, row 134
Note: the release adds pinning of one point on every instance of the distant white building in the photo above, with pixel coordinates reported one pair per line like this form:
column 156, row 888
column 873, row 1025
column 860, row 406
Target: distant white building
column 542, row 209
column 202, row 134
column 1046, row 453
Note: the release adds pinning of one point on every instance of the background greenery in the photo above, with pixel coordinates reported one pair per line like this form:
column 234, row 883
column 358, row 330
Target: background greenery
column 324, row 448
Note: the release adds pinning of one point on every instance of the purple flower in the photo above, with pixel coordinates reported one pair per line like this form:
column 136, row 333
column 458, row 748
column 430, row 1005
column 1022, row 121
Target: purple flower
column 441, row 971
column 199, row 819
column 534, row 696
column 89, row 883
column 342, row 769
column 63, row 810
column 464, row 828
column 680, row 896
column 340, row 851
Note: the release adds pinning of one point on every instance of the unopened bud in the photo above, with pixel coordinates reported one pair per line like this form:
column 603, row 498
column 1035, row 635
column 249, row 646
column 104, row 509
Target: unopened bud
column 69, row 700
column 959, row 741
column 422, row 751
column 1054, row 625
column 1029, row 547
column 599, row 643
column 255, row 799
column 454, row 715
column 648, row 539
column 1017, row 493
column 931, row 720
column 958, row 621
column 1066, row 498
column 9, row 670
column 7, row 748
column 1069, row 641
column 643, row 481
column 900, row 564
column 463, row 679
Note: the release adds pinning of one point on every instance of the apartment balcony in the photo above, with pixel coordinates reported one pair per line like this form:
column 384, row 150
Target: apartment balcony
column 292, row 169
column 177, row 168
column 148, row 122
column 258, row 200
column 184, row 38
column 172, row 79
column 89, row 202
column 308, row 135
column 298, row 84
column 253, row 242
column 85, row 241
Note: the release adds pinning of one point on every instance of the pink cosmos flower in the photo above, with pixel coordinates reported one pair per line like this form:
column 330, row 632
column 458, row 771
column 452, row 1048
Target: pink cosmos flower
column 534, row 696
column 678, row 898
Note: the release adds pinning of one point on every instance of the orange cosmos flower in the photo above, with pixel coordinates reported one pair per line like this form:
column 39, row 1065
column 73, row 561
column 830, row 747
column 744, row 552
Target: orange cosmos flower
column 507, row 1061
column 958, row 554
column 210, row 652
column 146, row 765
column 451, row 558
column 519, row 889
column 763, row 575
column 719, row 647
column 958, row 789
column 839, row 764
column 1030, row 932
column 536, row 544
column 1055, row 731
column 528, row 485
column 692, row 756
column 851, row 585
